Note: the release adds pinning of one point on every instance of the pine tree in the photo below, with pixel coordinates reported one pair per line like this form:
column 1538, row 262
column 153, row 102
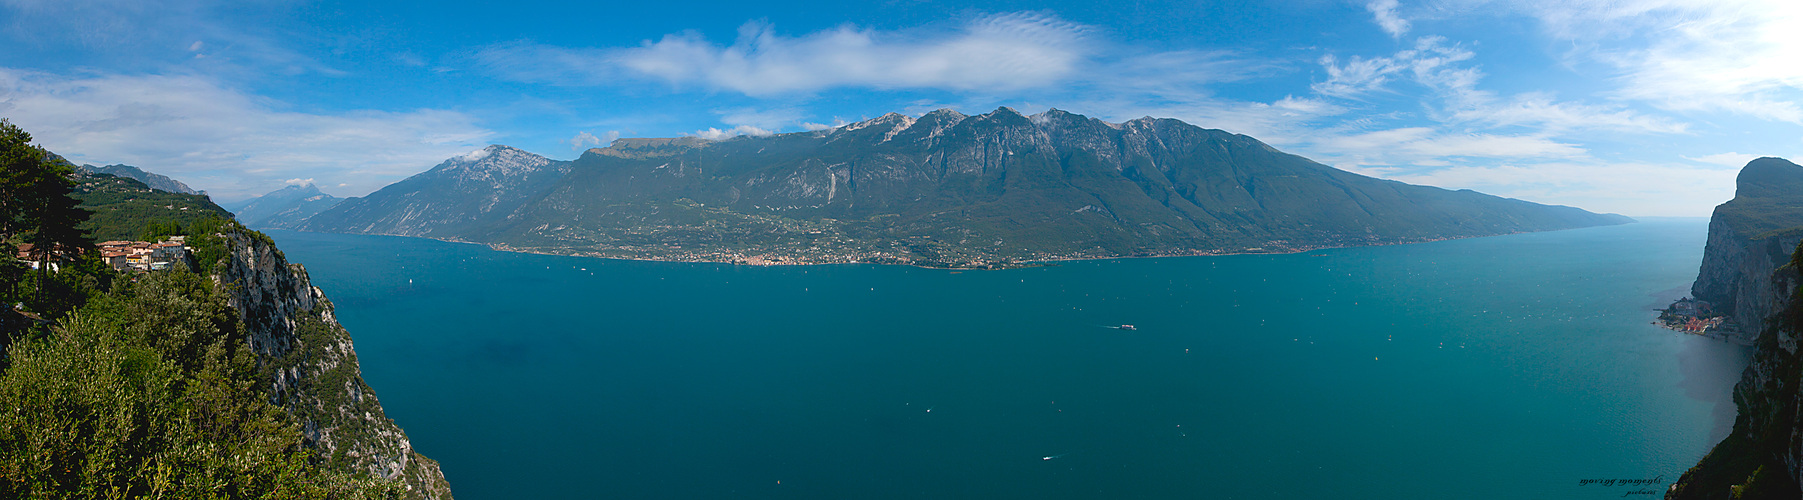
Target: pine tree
column 35, row 203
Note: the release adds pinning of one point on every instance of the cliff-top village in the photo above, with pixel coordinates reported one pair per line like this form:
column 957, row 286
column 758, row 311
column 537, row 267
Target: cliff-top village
column 122, row 255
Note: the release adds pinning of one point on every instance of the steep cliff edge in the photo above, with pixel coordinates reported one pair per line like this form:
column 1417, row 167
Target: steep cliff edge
column 1763, row 456
column 1749, row 236
column 309, row 357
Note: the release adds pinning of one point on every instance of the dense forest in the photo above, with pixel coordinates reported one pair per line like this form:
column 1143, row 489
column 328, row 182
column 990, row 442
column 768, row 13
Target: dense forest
column 123, row 384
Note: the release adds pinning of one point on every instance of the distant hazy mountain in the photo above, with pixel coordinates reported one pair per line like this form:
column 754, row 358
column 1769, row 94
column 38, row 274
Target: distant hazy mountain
column 155, row 181
column 286, row 207
column 943, row 189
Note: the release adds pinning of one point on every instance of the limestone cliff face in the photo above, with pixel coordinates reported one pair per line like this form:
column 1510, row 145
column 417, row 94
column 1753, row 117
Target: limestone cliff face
column 314, row 368
column 1763, row 456
column 1736, row 275
column 1752, row 267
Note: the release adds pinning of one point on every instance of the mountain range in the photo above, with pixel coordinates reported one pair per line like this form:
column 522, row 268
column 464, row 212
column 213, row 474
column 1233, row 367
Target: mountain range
column 154, row 181
column 944, row 189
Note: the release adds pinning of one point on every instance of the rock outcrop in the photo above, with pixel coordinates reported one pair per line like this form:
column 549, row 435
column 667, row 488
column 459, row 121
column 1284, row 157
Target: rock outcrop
column 1750, row 236
column 314, row 370
column 1753, row 268
column 1763, row 456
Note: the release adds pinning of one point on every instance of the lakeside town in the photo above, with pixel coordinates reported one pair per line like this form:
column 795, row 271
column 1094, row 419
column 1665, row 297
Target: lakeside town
column 1698, row 317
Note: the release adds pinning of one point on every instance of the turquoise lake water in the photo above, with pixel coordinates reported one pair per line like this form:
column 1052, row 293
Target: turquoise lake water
column 1505, row 367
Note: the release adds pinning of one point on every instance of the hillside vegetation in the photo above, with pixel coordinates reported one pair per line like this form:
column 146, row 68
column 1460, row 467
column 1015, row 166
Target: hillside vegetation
column 121, row 385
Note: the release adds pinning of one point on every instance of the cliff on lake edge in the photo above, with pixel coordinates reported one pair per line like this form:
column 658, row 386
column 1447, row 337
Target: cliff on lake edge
column 314, row 368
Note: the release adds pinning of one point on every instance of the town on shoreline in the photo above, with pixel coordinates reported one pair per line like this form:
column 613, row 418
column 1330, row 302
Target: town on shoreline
column 1698, row 317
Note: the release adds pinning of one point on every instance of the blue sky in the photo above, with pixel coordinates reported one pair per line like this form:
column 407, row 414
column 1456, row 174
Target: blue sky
column 1641, row 107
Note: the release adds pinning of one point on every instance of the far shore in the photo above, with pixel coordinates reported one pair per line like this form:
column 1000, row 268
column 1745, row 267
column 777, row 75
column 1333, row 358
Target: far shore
column 1047, row 261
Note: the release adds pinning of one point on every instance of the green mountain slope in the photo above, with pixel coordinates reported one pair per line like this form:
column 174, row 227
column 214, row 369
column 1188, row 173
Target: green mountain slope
column 124, row 208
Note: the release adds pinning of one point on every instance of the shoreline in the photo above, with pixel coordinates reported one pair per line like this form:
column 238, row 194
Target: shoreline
column 988, row 266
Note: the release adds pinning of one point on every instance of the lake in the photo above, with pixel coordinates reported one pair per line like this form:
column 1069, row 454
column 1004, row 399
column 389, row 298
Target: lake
column 1503, row 367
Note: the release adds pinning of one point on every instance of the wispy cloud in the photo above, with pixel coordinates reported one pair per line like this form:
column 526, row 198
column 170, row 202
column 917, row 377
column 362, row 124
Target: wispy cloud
column 228, row 142
column 762, row 118
column 1733, row 56
column 1427, row 146
column 999, row 52
column 1432, row 62
column 1383, row 12
column 1449, row 88
column 585, row 140
column 1638, row 189
column 142, row 34
column 715, row 134
column 1729, row 159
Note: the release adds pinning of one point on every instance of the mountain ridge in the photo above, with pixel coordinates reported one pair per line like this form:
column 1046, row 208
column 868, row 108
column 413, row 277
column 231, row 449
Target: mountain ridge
column 154, row 180
column 945, row 189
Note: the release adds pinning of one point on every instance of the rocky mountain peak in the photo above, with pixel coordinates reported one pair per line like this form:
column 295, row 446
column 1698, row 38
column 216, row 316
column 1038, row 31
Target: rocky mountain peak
column 493, row 161
column 897, row 120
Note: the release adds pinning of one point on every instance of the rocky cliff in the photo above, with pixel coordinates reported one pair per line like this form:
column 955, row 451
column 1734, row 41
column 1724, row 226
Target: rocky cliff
column 1750, row 236
column 1762, row 458
column 1752, row 269
column 310, row 360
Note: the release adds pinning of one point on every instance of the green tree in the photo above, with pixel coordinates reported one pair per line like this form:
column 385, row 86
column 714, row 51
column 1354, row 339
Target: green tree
column 152, row 391
column 35, row 203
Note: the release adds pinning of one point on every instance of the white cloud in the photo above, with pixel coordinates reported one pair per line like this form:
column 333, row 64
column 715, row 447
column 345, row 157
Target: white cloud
column 1430, row 62
column 714, row 134
column 585, row 140
column 1634, row 189
column 1427, row 146
column 207, row 135
column 151, row 32
column 991, row 53
column 1384, row 14
column 1729, row 159
column 1437, row 67
column 298, row 181
column 1734, row 56
column 1539, row 110
column 822, row 126
column 767, row 119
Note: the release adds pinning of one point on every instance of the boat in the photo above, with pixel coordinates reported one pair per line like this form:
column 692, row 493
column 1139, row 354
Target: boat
column 1127, row 327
